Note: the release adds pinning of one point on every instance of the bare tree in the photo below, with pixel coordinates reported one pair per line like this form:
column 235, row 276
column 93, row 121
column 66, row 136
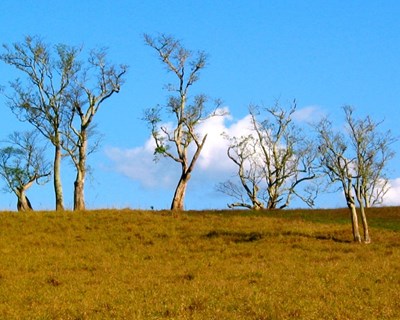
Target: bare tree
column 245, row 154
column 21, row 164
column 273, row 162
column 373, row 151
column 338, row 167
column 40, row 99
column 357, row 160
column 175, row 142
column 92, row 86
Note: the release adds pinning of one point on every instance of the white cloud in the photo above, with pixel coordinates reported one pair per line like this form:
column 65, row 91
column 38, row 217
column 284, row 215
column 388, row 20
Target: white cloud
column 138, row 164
column 213, row 164
column 308, row 114
column 392, row 197
column 213, row 157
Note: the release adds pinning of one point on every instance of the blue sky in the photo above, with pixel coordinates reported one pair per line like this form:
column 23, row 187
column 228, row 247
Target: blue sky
column 325, row 54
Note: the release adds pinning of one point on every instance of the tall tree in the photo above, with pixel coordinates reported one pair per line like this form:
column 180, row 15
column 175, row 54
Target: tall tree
column 358, row 161
column 22, row 163
column 97, row 81
column 373, row 151
column 175, row 142
column 273, row 162
column 40, row 99
column 339, row 167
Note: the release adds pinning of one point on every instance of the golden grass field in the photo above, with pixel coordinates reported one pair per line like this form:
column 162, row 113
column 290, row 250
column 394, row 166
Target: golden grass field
column 129, row 264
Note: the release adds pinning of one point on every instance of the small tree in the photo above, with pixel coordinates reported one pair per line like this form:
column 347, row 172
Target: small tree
column 245, row 153
column 90, row 88
column 175, row 142
column 357, row 160
column 40, row 99
column 273, row 162
column 21, row 164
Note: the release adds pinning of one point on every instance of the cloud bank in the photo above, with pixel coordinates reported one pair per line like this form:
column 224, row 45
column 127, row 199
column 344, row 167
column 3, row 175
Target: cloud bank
column 138, row 163
column 392, row 197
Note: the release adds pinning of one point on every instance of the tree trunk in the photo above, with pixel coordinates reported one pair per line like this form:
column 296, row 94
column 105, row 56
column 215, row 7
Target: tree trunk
column 351, row 204
column 57, row 179
column 271, row 204
column 362, row 201
column 79, row 198
column 79, row 184
column 257, row 206
column 273, row 197
column 23, row 202
column 354, row 223
column 178, row 202
column 367, row 238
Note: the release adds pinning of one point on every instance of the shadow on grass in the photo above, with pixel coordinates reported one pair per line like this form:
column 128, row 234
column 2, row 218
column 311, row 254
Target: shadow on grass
column 236, row 237
column 240, row 237
column 318, row 236
column 387, row 218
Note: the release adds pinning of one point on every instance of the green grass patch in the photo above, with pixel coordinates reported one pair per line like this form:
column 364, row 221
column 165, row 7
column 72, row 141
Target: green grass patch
column 127, row 264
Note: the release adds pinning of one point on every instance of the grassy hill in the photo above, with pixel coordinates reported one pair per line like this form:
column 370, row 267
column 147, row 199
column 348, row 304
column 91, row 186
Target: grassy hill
column 127, row 264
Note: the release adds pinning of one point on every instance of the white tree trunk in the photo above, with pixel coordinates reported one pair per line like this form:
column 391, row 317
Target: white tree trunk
column 178, row 202
column 79, row 197
column 367, row 238
column 354, row 223
column 57, row 179
column 79, row 184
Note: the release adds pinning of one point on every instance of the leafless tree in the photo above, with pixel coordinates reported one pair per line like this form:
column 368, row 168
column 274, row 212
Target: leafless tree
column 245, row 154
column 339, row 167
column 22, row 163
column 40, row 98
column 95, row 82
column 357, row 160
column 175, row 142
column 373, row 151
column 273, row 162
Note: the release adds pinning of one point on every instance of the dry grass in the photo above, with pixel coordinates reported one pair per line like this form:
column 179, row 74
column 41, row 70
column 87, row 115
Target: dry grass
column 199, row 265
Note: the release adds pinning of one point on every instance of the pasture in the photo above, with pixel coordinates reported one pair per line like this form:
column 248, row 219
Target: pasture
column 130, row 264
